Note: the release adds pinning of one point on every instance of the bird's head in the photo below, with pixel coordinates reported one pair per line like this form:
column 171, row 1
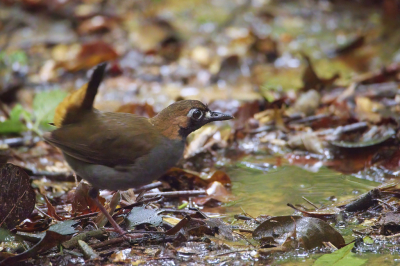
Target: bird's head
column 182, row 118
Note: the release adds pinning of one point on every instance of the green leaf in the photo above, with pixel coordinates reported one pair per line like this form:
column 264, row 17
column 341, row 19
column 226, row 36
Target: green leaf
column 9, row 58
column 367, row 240
column 14, row 123
column 6, row 235
column 342, row 257
column 44, row 106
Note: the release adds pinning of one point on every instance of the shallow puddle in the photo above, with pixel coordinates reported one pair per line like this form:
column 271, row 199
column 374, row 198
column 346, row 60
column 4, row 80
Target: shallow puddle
column 264, row 189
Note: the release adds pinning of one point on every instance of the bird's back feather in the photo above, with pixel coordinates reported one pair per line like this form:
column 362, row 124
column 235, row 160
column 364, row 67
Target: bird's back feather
column 112, row 139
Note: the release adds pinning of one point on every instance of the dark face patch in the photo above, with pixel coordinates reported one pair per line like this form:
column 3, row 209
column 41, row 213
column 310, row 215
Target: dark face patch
column 197, row 117
column 183, row 117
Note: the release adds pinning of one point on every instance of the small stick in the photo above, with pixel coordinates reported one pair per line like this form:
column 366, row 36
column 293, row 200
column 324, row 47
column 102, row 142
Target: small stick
column 171, row 194
column 308, row 119
column 309, row 202
column 244, row 238
column 140, row 234
column 112, row 241
column 42, row 212
column 178, row 211
column 139, row 203
column 342, row 129
column 148, row 187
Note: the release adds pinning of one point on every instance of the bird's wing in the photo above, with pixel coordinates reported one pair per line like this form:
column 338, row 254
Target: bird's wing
column 112, row 139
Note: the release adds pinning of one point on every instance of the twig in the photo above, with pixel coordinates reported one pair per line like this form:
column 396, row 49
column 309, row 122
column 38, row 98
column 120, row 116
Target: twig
column 330, row 246
column 343, row 129
column 308, row 119
column 248, row 215
column 42, row 212
column 178, row 211
column 121, row 239
column 171, row 194
column 112, row 241
column 148, row 187
column 265, row 251
column 294, row 208
column 309, row 202
column 244, row 238
column 243, row 217
column 386, row 237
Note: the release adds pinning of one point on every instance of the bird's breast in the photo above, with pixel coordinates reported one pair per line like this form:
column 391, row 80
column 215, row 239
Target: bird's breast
column 162, row 157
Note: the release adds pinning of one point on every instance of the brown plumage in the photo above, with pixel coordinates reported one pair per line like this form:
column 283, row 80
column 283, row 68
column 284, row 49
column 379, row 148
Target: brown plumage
column 119, row 150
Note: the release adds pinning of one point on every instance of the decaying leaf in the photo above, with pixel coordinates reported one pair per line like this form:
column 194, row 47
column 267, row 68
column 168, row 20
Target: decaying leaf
column 51, row 239
column 51, row 211
column 229, row 70
column 198, row 140
column 96, row 24
column 17, row 197
column 102, row 219
column 311, row 79
column 217, row 191
column 366, row 110
column 220, row 176
column 349, row 47
column 308, row 232
column 364, row 202
column 141, row 215
column 307, row 141
column 87, row 55
column 82, row 202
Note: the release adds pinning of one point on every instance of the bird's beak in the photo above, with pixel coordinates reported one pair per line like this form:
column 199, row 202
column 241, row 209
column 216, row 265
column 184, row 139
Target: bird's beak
column 217, row 116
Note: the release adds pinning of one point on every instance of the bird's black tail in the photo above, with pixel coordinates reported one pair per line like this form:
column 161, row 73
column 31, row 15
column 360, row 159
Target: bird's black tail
column 93, row 86
column 68, row 111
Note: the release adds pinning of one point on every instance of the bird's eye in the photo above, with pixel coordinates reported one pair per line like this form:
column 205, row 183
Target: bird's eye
column 196, row 114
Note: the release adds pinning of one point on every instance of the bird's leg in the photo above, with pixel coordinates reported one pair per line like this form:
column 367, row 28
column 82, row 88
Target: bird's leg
column 94, row 193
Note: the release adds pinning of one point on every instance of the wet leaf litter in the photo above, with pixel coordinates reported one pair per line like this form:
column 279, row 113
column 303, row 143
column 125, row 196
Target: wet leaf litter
column 328, row 106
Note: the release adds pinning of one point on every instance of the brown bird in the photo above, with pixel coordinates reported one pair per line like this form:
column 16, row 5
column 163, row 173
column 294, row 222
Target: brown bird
column 118, row 151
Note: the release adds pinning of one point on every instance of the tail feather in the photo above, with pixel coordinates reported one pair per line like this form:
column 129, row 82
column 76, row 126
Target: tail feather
column 67, row 112
column 93, row 86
